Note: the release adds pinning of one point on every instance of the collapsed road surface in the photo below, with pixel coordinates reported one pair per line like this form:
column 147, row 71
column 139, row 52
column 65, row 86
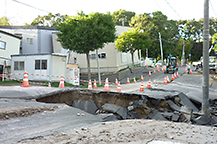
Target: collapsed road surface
column 173, row 102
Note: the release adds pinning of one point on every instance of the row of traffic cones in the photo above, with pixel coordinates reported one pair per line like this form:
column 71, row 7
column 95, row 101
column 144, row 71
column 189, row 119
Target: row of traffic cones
column 26, row 81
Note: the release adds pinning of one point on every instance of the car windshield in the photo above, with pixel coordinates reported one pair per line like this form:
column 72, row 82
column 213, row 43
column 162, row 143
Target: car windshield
column 160, row 61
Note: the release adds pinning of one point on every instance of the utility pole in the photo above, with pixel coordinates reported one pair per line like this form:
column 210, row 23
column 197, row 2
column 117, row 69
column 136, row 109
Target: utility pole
column 205, row 83
column 161, row 47
column 97, row 60
column 183, row 54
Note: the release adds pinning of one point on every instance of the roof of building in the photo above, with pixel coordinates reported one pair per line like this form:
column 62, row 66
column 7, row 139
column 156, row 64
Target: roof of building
column 28, row 27
column 53, row 54
column 10, row 34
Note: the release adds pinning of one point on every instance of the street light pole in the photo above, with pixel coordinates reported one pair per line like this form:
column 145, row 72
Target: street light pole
column 205, row 83
column 97, row 60
column 183, row 54
column 161, row 47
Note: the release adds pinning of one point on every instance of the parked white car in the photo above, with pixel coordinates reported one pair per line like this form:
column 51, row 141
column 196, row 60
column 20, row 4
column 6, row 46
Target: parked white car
column 148, row 62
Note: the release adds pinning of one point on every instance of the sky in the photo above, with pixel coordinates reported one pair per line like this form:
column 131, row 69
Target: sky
column 19, row 14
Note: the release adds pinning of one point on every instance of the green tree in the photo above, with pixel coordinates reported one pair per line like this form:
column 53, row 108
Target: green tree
column 4, row 21
column 130, row 41
column 122, row 15
column 85, row 33
column 49, row 20
column 214, row 39
column 142, row 22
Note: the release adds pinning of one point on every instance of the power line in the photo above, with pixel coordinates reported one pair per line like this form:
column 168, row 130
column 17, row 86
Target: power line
column 30, row 6
column 173, row 9
column 212, row 8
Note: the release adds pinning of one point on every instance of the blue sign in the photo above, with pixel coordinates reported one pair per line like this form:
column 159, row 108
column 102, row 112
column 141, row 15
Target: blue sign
column 189, row 54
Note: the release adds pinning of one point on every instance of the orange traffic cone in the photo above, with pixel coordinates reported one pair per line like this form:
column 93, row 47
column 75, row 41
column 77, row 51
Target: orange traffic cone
column 149, row 84
column 106, row 87
column 154, row 72
column 94, row 84
column 158, row 70
column 186, row 69
column 128, row 81
column 154, row 67
column 90, row 85
column 141, row 87
column 177, row 75
column 165, row 81
column 190, row 71
column 174, row 75
column 149, row 73
column 119, row 87
column 25, row 80
column 147, row 66
column 116, row 82
column 134, row 80
column 168, row 80
column 49, row 85
column 142, row 78
column 61, row 85
column 172, row 78
column 162, row 69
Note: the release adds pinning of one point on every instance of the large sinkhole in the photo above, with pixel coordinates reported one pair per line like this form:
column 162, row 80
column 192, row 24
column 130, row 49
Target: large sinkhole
column 121, row 106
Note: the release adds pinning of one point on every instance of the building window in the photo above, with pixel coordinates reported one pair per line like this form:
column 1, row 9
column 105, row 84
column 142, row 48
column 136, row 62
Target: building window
column 102, row 55
column 40, row 64
column 2, row 45
column 19, row 65
column 29, row 41
column 92, row 56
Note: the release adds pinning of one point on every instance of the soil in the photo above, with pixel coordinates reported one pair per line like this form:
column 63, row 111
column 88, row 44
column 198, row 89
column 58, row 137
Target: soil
column 133, row 132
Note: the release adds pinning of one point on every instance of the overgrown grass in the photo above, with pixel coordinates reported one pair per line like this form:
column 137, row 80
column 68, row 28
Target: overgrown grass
column 56, row 84
column 10, row 82
column 132, row 80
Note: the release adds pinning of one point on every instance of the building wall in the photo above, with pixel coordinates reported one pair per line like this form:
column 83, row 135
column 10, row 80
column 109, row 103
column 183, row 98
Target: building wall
column 12, row 47
column 56, row 66
column 42, row 39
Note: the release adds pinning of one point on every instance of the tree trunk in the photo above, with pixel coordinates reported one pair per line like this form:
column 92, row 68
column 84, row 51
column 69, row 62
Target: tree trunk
column 88, row 65
column 132, row 56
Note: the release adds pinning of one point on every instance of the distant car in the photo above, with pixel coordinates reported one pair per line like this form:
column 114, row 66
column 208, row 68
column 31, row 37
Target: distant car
column 159, row 63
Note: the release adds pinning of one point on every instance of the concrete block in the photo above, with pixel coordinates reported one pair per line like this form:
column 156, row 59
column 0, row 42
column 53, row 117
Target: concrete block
column 173, row 105
column 110, row 107
column 167, row 115
column 87, row 106
column 132, row 115
column 110, row 117
column 187, row 102
column 138, row 103
column 156, row 115
column 121, row 111
column 155, row 101
column 175, row 117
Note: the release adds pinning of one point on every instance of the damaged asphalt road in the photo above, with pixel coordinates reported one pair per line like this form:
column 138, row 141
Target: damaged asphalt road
column 177, row 102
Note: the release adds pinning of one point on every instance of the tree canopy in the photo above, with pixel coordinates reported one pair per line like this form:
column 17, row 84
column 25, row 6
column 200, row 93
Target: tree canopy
column 85, row 33
column 4, row 21
column 121, row 16
column 49, row 20
column 132, row 40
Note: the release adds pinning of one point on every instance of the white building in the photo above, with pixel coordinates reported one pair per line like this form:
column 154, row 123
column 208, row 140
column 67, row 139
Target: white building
column 9, row 44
